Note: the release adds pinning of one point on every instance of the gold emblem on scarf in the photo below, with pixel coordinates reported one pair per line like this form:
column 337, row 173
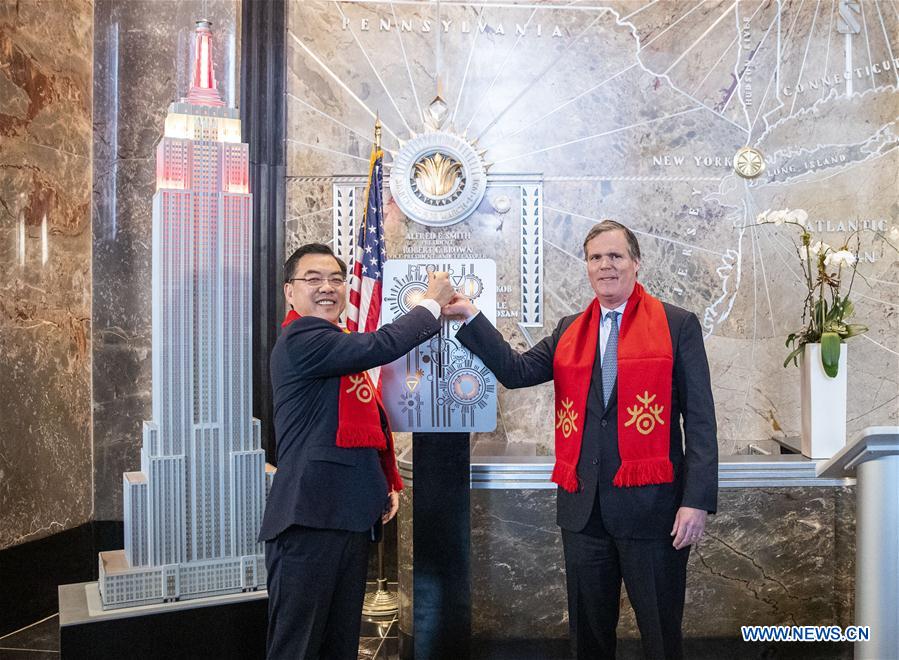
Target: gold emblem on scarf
column 567, row 418
column 645, row 416
column 361, row 388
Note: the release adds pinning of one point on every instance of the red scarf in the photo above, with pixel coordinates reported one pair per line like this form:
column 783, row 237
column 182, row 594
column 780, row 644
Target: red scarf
column 359, row 414
column 645, row 363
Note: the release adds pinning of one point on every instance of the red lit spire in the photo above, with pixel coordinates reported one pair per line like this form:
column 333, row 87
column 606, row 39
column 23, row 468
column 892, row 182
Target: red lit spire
column 203, row 89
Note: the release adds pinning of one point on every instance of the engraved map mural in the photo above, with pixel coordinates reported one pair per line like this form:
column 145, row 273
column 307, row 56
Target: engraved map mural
column 632, row 110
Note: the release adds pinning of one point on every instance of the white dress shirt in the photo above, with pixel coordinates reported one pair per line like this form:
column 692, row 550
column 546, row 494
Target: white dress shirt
column 431, row 305
column 605, row 328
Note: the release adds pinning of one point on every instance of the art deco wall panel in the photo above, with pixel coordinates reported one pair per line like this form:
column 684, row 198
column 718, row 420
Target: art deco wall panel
column 629, row 110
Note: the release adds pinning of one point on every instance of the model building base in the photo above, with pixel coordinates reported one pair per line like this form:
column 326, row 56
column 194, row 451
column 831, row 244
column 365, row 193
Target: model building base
column 227, row 626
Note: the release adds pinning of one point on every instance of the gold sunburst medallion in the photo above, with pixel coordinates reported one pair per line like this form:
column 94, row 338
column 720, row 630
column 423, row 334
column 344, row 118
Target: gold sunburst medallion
column 437, row 175
column 749, row 162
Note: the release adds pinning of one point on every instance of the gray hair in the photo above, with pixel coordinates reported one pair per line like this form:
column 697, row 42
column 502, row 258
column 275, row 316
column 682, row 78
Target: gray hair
column 633, row 247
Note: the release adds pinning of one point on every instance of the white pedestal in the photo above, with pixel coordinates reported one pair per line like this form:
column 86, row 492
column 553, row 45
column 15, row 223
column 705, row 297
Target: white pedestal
column 823, row 405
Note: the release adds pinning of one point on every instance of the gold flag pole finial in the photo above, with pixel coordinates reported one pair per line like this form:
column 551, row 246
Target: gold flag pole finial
column 378, row 131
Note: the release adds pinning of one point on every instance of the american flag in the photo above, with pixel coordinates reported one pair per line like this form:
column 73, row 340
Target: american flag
column 364, row 307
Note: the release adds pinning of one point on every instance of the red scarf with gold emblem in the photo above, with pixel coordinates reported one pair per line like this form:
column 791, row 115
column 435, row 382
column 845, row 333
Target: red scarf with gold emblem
column 359, row 414
column 645, row 363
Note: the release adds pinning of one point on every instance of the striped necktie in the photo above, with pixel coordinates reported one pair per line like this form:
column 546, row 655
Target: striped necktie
column 610, row 359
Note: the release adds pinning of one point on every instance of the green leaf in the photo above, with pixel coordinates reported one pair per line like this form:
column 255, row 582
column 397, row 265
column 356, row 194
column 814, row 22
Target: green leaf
column 794, row 356
column 853, row 329
column 818, row 304
column 820, row 316
column 830, row 353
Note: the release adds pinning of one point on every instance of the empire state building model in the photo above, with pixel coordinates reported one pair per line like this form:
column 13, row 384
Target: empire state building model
column 194, row 509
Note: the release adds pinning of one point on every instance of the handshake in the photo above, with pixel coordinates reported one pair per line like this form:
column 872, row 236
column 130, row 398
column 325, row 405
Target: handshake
column 453, row 305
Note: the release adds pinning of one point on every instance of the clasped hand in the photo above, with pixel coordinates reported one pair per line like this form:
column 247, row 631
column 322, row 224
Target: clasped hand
column 453, row 305
column 439, row 288
column 459, row 308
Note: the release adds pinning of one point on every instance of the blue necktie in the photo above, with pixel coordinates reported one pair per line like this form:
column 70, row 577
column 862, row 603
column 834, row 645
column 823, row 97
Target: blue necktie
column 610, row 359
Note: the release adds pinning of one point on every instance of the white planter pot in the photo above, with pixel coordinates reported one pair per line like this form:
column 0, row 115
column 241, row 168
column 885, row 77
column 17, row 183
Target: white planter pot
column 823, row 404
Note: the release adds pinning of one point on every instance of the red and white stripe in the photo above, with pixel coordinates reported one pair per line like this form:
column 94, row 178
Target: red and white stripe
column 364, row 301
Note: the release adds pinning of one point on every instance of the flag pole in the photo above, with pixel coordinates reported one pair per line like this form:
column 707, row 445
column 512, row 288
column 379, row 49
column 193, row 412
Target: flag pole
column 380, row 603
column 378, row 131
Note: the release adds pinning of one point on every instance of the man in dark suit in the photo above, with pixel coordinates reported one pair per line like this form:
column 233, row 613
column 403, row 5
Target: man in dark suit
column 629, row 509
column 337, row 475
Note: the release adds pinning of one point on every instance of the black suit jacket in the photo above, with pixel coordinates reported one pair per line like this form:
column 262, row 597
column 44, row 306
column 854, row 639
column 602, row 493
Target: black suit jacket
column 317, row 483
column 636, row 512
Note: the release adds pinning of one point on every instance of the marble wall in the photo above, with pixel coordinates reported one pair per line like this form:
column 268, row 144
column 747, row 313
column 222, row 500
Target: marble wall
column 141, row 63
column 773, row 556
column 45, row 267
column 634, row 112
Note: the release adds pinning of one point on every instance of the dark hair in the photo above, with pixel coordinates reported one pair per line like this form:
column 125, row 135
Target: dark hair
column 290, row 266
column 633, row 247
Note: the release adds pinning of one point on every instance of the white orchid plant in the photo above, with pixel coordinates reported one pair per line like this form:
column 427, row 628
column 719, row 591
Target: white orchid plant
column 827, row 308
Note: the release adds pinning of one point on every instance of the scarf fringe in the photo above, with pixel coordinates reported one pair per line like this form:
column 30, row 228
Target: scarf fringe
column 565, row 475
column 361, row 435
column 645, row 472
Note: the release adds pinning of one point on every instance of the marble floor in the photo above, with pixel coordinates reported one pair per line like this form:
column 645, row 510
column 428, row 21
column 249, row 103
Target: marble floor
column 694, row 649
column 40, row 641
column 379, row 641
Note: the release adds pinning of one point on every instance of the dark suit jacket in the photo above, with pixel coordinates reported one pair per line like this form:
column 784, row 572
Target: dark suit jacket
column 317, row 483
column 637, row 512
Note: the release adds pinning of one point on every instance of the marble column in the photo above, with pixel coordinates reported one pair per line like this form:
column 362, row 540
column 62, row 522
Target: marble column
column 262, row 115
column 441, row 565
column 141, row 61
column 45, row 267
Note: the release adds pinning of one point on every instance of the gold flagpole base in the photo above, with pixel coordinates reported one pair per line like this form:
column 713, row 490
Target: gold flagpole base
column 380, row 602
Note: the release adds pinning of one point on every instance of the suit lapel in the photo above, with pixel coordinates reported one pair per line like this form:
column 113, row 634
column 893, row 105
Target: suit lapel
column 613, row 400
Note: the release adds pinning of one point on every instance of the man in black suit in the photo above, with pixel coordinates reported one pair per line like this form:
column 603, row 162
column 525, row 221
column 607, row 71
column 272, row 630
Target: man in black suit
column 618, row 516
column 337, row 475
